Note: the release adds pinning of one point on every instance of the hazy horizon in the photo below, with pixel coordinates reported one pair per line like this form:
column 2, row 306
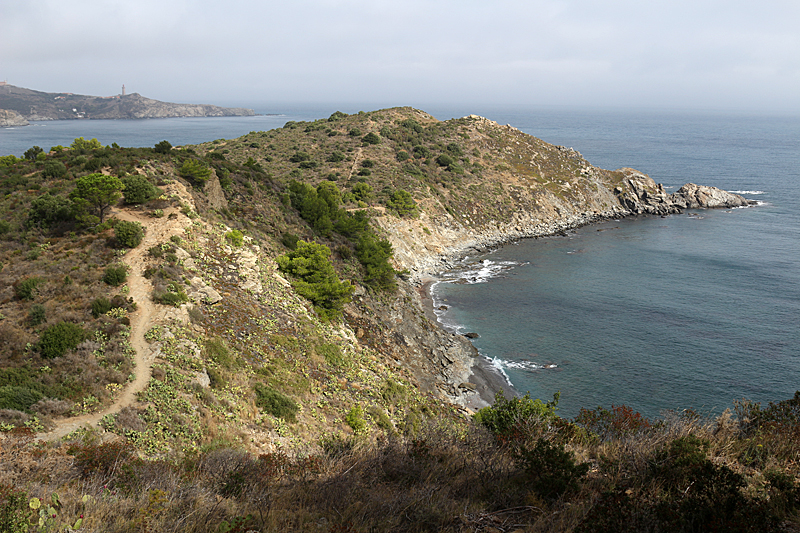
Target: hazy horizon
column 681, row 55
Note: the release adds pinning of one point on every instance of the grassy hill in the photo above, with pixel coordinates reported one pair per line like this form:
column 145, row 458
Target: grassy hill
column 240, row 344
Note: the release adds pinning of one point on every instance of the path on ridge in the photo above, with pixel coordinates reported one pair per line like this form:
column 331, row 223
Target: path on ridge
column 157, row 231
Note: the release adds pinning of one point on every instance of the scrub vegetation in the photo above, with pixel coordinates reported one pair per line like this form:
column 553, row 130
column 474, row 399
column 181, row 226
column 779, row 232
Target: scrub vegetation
column 286, row 402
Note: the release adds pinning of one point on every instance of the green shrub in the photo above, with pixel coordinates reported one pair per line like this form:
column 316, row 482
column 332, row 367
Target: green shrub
column 314, row 278
column 362, row 191
column 14, row 510
column 59, row 338
column 445, row 160
column 5, row 227
column 54, row 169
column 455, row 149
column 355, row 419
column 332, row 354
column 195, row 171
column 163, row 147
column 100, row 306
column 354, row 132
column 32, row 152
column 371, row 138
column 336, row 157
column 82, row 144
column 550, row 470
column 37, row 314
column 218, row 351
column 28, row 288
column 19, row 398
column 402, row 155
column 138, row 190
column 115, row 275
column 174, row 296
column 129, row 233
column 275, row 403
column 47, row 210
column 402, row 203
column 374, row 255
column 506, row 417
column 235, row 238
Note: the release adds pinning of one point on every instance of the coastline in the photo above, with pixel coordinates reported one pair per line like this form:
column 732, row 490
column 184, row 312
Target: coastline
column 487, row 381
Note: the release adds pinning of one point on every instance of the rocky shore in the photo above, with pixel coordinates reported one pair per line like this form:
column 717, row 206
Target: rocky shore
column 479, row 387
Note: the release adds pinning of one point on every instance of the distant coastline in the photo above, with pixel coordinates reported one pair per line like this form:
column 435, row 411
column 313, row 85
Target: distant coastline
column 20, row 106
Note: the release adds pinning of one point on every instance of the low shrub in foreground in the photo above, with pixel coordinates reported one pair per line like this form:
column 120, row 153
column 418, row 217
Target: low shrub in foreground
column 128, row 234
column 59, row 338
column 275, row 403
column 115, row 275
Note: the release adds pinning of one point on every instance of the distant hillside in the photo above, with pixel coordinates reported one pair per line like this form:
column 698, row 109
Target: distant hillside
column 37, row 105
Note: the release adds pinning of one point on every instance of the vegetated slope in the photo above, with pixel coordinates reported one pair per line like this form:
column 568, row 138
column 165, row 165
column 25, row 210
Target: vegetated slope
column 276, row 404
column 38, row 105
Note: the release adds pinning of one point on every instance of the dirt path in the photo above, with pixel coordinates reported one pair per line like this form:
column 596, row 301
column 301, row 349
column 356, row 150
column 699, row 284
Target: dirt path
column 157, row 231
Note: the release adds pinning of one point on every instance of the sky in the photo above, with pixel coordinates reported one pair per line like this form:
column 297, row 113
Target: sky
column 659, row 54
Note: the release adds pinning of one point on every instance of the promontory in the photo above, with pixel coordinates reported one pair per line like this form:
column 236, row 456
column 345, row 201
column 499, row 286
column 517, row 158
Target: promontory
column 19, row 105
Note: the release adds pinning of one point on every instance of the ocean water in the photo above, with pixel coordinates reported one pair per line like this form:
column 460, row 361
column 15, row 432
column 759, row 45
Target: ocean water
column 688, row 311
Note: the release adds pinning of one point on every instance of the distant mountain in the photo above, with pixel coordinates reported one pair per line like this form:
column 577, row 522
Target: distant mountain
column 38, row 105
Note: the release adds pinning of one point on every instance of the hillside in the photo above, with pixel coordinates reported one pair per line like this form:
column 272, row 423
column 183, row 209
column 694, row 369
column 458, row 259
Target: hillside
column 233, row 336
column 37, row 105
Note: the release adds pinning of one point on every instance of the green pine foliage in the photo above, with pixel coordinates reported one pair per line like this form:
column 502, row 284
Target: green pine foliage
column 138, row 190
column 59, row 338
column 314, row 278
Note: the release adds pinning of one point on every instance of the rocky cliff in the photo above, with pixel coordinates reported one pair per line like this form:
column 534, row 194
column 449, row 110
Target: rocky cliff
column 10, row 118
column 37, row 105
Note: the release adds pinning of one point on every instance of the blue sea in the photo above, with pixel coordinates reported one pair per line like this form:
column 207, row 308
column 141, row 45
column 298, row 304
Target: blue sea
column 689, row 311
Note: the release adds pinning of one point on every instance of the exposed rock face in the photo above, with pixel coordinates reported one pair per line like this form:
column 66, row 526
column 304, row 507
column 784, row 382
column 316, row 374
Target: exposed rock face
column 10, row 118
column 37, row 105
column 696, row 196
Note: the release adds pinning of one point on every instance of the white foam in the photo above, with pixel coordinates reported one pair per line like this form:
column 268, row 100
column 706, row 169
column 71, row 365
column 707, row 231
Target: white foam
column 501, row 365
column 479, row 272
column 749, row 192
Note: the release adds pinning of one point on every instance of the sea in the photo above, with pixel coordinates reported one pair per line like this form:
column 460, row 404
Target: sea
column 692, row 311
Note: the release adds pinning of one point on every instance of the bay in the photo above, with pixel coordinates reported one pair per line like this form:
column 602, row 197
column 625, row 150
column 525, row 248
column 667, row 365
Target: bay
column 689, row 311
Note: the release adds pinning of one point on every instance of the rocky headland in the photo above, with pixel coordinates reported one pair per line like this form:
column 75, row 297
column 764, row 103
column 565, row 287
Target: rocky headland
column 27, row 105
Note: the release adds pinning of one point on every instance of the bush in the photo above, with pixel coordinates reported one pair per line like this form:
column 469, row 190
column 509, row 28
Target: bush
column 54, row 169
column 315, row 279
column 550, row 470
column 275, row 403
column 37, row 314
column 47, row 210
column 506, row 418
column 195, row 171
column 445, row 160
column 18, row 398
column 138, row 190
column 100, row 306
column 59, row 338
column 355, row 419
column 31, row 153
column 115, row 275
column 402, row 203
column 28, row 288
column 455, row 149
column 354, row 132
column 163, row 147
column 374, row 255
column 14, row 510
column 371, row 138
column 82, row 144
column 129, row 234
column 336, row 157
column 289, row 240
column 235, row 237
column 402, row 155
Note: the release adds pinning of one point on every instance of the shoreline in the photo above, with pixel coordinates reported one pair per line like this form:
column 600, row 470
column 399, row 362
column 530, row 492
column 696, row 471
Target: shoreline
column 485, row 378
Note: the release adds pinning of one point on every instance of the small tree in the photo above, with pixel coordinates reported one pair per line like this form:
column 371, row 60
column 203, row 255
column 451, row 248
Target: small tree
column 138, row 189
column 403, row 204
column 163, row 147
column 315, row 279
column 31, row 153
column 371, row 138
column 82, row 144
column 97, row 192
column 195, row 171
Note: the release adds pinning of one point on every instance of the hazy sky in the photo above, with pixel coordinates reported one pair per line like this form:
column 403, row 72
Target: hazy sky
column 696, row 54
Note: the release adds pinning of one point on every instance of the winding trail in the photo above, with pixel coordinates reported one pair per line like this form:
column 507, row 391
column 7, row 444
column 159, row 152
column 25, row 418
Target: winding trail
column 157, row 231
